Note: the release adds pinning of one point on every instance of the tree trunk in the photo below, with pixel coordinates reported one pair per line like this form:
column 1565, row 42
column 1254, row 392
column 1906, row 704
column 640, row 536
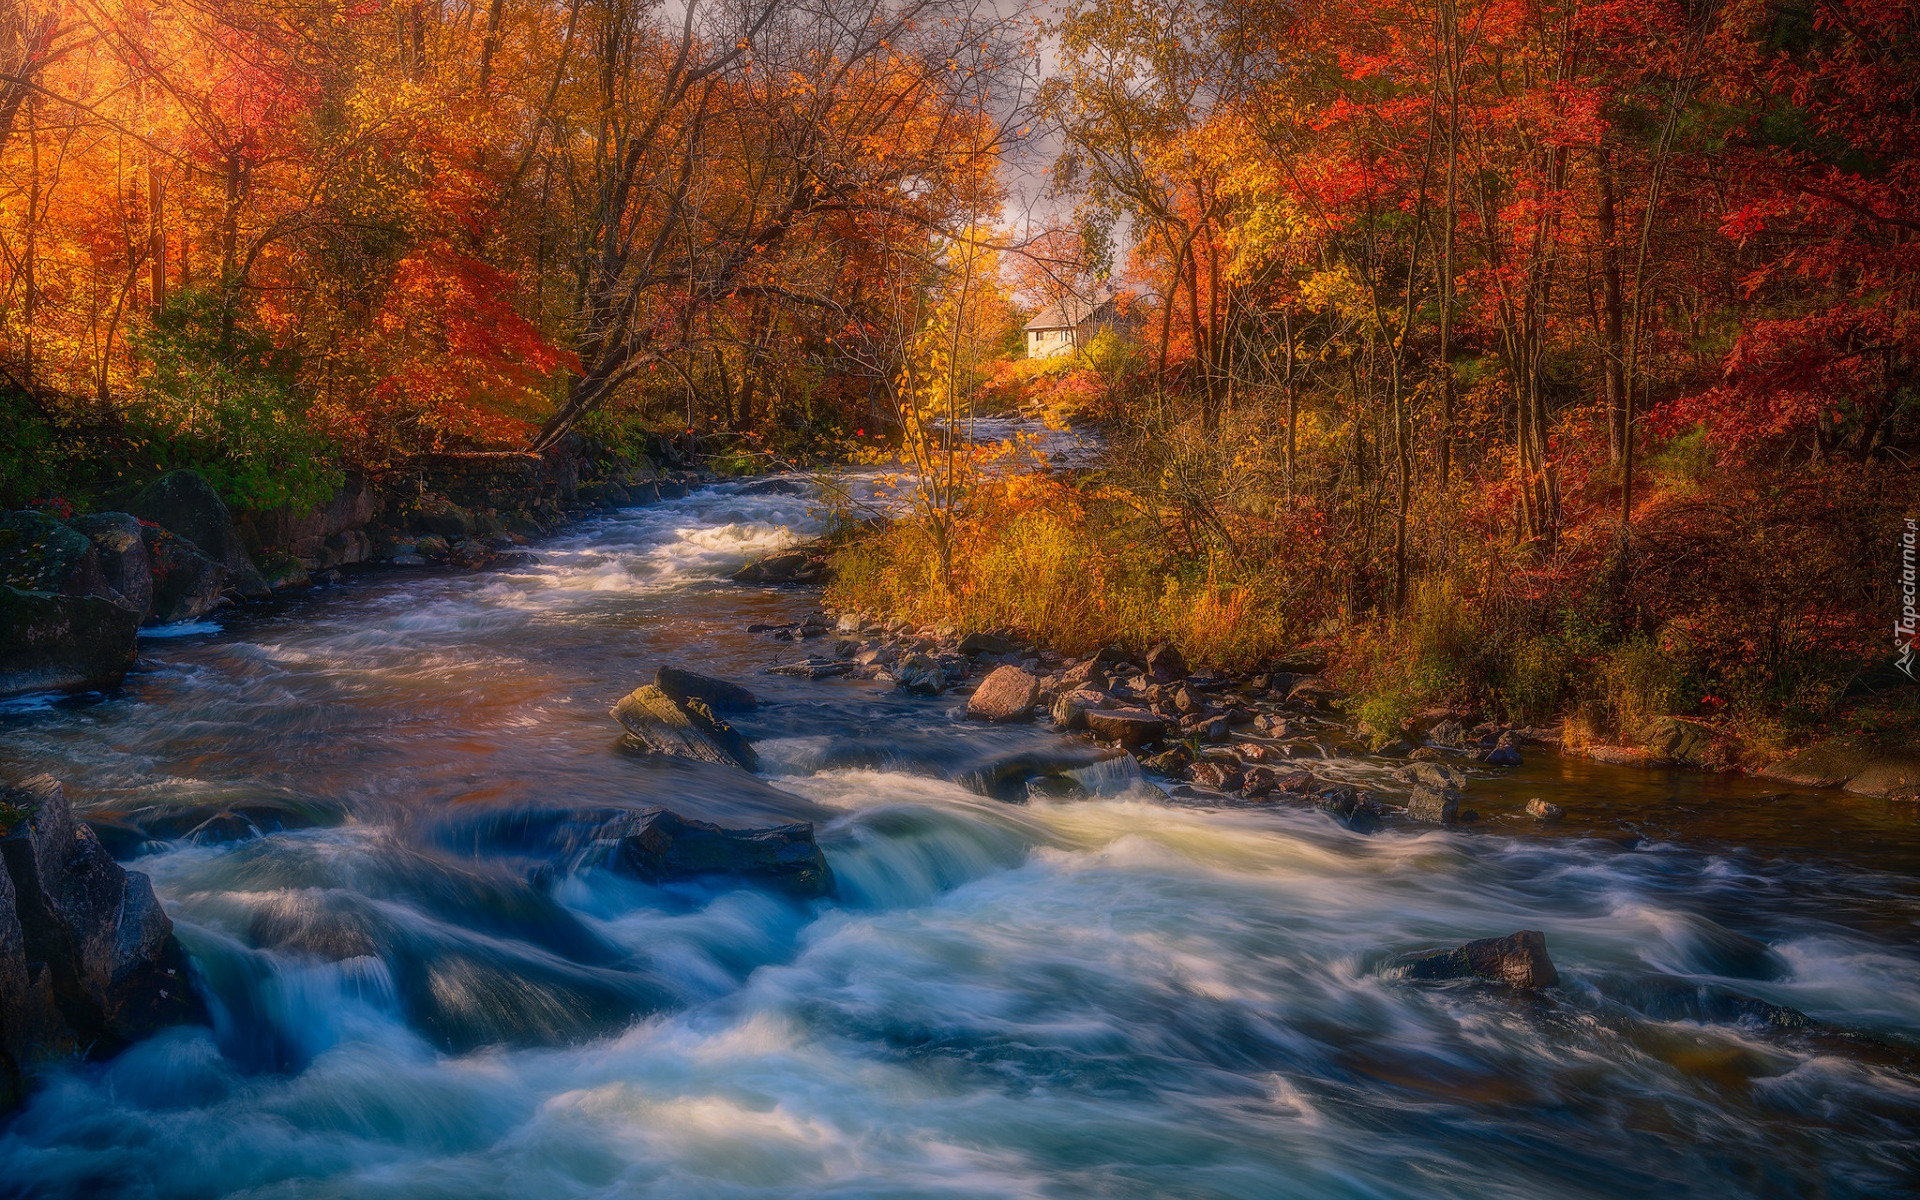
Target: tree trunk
column 1611, row 315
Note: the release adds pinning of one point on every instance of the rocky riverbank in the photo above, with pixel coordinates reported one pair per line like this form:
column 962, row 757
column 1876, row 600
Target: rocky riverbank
column 75, row 590
column 1200, row 736
column 1253, row 738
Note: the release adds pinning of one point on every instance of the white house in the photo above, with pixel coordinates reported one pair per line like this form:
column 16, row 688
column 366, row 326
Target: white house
column 1062, row 327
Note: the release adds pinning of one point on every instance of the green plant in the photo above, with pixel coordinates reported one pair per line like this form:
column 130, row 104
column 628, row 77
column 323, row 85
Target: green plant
column 1535, row 676
column 1684, row 462
column 217, row 396
column 1642, row 680
column 30, row 458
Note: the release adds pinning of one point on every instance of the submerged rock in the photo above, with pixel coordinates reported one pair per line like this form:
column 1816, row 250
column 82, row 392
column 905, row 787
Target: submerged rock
column 1665, row 998
column 1544, row 810
column 88, row 960
column 1353, row 809
column 1006, row 695
column 684, row 730
column 1519, row 959
column 814, row 668
column 919, row 675
column 659, row 845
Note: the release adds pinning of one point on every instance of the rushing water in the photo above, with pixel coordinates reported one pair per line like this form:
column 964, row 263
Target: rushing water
column 1106, row 997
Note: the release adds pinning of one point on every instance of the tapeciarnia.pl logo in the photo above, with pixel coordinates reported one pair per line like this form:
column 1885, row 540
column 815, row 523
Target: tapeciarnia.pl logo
column 1903, row 629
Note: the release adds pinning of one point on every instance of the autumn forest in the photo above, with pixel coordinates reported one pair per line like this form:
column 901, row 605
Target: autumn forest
column 1560, row 355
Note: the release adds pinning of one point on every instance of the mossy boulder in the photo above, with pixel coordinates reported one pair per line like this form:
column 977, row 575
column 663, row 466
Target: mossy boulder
column 119, row 542
column 40, row 554
column 187, row 584
column 185, row 505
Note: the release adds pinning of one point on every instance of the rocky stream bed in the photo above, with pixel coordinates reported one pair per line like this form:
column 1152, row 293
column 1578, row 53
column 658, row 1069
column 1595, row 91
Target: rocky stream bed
column 600, row 873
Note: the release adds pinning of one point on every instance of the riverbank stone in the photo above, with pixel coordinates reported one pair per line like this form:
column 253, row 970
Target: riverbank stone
column 814, row 668
column 1128, row 726
column 1314, row 692
column 1166, row 664
column 1008, row 694
column 1857, row 765
column 187, row 584
column 122, row 551
column 1519, row 960
column 805, row 565
column 185, row 505
column 40, row 554
column 52, row 643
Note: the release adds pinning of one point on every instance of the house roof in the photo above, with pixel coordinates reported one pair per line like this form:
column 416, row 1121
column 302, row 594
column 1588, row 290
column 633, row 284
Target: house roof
column 1069, row 312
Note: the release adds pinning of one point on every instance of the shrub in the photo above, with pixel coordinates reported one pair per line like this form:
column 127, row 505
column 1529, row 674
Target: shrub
column 217, row 397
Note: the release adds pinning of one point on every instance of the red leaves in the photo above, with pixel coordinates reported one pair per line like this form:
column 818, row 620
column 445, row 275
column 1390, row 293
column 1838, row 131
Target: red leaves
column 459, row 350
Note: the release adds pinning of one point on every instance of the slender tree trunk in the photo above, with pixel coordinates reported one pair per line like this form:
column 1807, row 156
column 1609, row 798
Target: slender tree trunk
column 157, row 235
column 1293, row 400
column 490, row 45
column 1610, row 314
column 30, row 251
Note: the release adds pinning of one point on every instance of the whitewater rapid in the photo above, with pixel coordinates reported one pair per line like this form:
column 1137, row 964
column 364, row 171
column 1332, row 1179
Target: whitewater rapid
column 1111, row 997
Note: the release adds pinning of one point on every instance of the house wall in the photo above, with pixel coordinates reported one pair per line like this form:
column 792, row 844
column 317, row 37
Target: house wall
column 1048, row 342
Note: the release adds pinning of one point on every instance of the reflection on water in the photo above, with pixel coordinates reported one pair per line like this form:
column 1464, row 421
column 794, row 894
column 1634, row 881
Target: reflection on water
column 1106, row 997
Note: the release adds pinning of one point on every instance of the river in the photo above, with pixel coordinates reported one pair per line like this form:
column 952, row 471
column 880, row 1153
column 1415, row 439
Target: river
column 1110, row 997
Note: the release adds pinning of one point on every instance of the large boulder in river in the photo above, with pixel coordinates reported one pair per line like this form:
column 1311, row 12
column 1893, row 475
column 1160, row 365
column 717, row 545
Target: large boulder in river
column 1006, row 695
column 687, row 729
column 658, row 845
column 1439, row 805
column 185, row 505
column 121, row 548
column 187, row 584
column 719, row 694
column 88, row 961
column 1519, row 959
column 53, row 643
